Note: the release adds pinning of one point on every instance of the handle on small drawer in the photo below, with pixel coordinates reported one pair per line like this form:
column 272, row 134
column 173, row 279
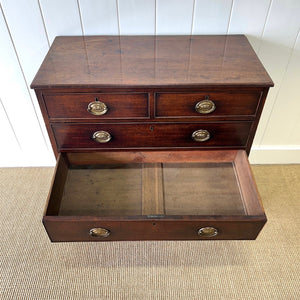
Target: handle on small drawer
column 207, row 231
column 201, row 135
column 101, row 136
column 99, row 232
column 97, row 108
column 205, row 106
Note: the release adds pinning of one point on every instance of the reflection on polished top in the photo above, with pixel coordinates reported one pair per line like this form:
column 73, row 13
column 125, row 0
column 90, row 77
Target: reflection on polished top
column 149, row 61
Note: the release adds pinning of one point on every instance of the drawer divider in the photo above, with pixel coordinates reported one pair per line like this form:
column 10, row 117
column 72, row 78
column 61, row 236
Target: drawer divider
column 152, row 190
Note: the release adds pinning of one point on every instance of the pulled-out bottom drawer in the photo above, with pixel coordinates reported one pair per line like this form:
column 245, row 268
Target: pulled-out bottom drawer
column 153, row 195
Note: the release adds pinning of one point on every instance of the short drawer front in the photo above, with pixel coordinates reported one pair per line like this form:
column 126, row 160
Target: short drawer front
column 77, row 105
column 217, row 104
column 219, row 134
column 62, row 230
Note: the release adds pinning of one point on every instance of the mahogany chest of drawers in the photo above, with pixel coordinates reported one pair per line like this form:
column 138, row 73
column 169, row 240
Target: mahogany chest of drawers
column 151, row 135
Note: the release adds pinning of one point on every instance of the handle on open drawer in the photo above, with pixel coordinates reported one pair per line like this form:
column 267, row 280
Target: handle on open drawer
column 201, row 135
column 97, row 108
column 207, row 231
column 101, row 136
column 205, row 106
column 99, row 232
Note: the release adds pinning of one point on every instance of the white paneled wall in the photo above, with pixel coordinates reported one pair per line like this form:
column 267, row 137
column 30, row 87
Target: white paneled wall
column 28, row 27
column 174, row 16
column 66, row 15
column 211, row 17
column 134, row 13
column 99, row 17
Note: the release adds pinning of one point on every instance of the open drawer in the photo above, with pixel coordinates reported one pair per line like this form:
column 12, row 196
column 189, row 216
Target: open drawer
column 153, row 195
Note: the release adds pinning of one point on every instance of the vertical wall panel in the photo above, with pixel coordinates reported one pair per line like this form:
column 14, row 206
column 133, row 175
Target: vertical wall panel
column 99, row 17
column 137, row 16
column 7, row 134
column 211, row 17
column 278, row 39
column 282, row 130
column 15, row 97
column 61, row 18
column 249, row 17
column 9, row 143
column 174, row 16
column 28, row 35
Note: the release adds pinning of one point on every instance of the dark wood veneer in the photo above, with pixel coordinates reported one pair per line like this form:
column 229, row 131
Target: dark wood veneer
column 151, row 85
column 182, row 105
column 141, row 135
column 151, row 61
column 74, row 105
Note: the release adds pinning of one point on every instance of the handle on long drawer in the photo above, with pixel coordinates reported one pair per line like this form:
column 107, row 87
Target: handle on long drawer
column 207, row 231
column 201, row 135
column 99, row 232
column 101, row 136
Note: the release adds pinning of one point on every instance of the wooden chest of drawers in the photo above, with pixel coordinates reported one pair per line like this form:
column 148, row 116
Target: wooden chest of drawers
column 151, row 136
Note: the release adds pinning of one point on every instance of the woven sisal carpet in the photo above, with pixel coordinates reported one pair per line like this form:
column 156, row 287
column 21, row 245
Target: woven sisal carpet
column 33, row 268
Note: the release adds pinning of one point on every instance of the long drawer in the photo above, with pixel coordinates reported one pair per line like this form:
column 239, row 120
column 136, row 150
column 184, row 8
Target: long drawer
column 142, row 135
column 105, row 196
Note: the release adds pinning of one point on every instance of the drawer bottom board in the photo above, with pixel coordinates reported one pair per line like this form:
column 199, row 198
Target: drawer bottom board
column 152, row 189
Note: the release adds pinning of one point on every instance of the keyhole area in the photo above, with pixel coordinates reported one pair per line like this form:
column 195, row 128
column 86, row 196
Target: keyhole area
column 153, row 224
column 151, row 128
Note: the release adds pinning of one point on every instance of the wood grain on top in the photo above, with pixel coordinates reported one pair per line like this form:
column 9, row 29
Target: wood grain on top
column 150, row 61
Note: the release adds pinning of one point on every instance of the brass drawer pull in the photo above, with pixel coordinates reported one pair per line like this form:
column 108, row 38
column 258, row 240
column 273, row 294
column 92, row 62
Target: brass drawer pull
column 207, row 231
column 97, row 108
column 99, row 232
column 205, row 106
column 101, row 136
column 201, row 135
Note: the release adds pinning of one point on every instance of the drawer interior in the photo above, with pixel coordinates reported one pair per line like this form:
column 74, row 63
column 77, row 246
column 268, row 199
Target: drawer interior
column 154, row 184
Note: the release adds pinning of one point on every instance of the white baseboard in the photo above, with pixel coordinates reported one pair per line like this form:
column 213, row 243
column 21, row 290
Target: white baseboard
column 258, row 155
column 19, row 158
column 275, row 155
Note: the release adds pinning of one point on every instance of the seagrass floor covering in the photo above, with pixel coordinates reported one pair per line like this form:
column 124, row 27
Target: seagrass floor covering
column 33, row 268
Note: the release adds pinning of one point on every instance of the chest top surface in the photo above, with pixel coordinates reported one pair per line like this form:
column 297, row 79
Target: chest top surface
column 150, row 61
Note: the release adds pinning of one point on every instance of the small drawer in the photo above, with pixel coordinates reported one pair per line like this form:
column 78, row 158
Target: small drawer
column 106, row 196
column 206, row 104
column 168, row 135
column 96, row 105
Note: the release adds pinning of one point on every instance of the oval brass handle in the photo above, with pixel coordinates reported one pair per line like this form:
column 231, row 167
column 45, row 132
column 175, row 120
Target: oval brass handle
column 99, row 232
column 205, row 106
column 97, row 108
column 201, row 135
column 101, row 136
column 207, row 231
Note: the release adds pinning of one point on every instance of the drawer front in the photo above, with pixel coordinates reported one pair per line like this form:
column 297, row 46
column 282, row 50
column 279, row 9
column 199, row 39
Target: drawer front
column 98, row 106
column 218, row 134
column 60, row 230
column 206, row 104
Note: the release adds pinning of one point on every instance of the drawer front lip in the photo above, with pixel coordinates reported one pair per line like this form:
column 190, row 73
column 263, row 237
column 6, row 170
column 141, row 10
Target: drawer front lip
column 74, row 105
column 228, row 104
column 74, row 229
column 223, row 134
